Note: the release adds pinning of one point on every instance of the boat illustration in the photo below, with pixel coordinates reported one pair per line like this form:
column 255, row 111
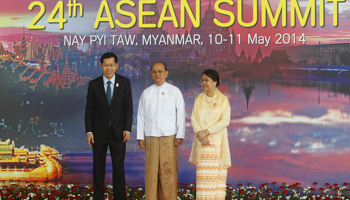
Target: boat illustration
column 19, row 164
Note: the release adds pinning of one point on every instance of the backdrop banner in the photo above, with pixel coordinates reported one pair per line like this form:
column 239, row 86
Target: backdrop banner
column 284, row 66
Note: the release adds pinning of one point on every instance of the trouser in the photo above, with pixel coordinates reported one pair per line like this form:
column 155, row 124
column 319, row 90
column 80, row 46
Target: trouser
column 117, row 150
column 161, row 168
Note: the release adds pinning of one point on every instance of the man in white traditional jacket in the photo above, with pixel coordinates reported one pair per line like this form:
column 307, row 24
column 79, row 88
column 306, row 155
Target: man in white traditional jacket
column 161, row 129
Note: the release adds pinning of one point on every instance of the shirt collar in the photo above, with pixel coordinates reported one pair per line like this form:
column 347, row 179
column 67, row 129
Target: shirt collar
column 161, row 86
column 105, row 80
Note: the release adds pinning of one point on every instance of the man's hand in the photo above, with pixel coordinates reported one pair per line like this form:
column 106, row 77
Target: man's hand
column 205, row 141
column 126, row 136
column 178, row 141
column 142, row 144
column 90, row 139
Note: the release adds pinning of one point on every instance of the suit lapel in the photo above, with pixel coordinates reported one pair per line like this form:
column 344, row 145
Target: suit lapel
column 103, row 92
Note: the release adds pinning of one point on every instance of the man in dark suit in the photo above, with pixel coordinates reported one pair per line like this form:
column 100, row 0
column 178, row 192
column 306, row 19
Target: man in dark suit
column 108, row 120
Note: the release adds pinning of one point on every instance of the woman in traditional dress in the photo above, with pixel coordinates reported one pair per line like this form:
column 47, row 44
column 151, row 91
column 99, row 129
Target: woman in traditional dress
column 210, row 150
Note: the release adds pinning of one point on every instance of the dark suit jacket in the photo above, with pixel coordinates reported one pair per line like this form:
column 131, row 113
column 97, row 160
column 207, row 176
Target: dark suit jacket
column 98, row 113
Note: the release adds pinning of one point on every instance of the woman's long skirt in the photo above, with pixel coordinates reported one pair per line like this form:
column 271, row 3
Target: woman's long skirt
column 210, row 180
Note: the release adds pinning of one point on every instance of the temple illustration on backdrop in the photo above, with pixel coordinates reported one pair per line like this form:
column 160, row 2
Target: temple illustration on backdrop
column 64, row 67
column 38, row 62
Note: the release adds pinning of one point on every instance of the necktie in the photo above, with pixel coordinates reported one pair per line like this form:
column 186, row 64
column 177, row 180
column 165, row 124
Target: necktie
column 109, row 93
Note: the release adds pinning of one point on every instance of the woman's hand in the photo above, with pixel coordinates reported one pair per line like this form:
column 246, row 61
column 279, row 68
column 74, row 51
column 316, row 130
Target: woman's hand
column 201, row 134
column 205, row 141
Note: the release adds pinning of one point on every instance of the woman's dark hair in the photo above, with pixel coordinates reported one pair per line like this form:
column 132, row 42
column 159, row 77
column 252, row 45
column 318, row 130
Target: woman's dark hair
column 109, row 55
column 213, row 74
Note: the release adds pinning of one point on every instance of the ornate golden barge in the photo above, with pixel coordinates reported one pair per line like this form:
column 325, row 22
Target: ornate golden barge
column 22, row 165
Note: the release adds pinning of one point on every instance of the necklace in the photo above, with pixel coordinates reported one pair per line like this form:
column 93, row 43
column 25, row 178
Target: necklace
column 208, row 99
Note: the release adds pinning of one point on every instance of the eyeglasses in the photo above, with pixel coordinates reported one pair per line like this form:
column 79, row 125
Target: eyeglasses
column 157, row 71
column 206, row 80
column 109, row 65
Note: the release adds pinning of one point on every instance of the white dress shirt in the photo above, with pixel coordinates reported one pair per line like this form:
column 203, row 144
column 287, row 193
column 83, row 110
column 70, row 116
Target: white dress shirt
column 161, row 112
